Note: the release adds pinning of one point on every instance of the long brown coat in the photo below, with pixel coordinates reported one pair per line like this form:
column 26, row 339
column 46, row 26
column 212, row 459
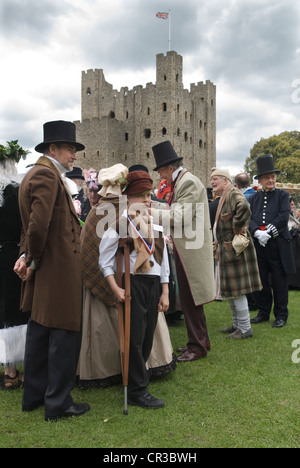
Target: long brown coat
column 189, row 222
column 239, row 275
column 51, row 238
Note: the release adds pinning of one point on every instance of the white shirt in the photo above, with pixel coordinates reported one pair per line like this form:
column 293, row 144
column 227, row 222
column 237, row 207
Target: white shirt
column 108, row 250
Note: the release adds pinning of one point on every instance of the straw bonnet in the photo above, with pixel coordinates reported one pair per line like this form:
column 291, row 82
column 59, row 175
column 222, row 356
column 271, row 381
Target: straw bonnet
column 111, row 179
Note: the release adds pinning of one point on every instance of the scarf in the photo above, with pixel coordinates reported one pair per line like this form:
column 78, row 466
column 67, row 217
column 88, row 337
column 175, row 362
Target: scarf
column 93, row 278
column 140, row 229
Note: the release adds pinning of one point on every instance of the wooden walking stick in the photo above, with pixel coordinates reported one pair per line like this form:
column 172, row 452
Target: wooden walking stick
column 124, row 311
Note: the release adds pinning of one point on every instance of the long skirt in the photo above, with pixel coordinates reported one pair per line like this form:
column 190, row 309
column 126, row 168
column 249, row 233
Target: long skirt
column 99, row 361
column 13, row 322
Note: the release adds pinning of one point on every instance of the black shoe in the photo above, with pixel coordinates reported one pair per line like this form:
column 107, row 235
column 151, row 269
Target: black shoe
column 279, row 323
column 259, row 319
column 146, row 401
column 74, row 410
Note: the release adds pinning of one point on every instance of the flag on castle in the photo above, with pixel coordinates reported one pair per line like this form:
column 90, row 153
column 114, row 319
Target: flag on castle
column 162, row 15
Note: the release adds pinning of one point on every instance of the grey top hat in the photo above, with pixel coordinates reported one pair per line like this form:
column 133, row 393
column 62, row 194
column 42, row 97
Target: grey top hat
column 164, row 155
column 59, row 131
column 265, row 165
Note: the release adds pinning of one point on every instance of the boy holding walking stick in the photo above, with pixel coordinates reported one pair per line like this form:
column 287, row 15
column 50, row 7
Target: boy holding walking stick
column 149, row 274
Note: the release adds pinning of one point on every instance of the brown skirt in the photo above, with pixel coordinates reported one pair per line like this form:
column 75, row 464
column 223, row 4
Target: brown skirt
column 99, row 360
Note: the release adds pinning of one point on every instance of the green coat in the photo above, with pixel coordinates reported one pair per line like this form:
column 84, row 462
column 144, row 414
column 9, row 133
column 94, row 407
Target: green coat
column 189, row 222
column 239, row 275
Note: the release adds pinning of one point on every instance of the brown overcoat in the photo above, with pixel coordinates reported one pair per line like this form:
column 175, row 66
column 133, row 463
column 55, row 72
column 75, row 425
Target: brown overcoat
column 51, row 237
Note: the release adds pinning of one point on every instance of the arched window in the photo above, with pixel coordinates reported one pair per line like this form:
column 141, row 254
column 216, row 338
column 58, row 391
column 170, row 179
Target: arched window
column 112, row 115
column 164, row 131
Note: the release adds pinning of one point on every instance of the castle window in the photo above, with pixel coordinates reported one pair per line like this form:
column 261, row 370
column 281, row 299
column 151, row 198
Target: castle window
column 98, row 153
column 177, row 77
column 178, row 108
column 88, row 91
column 164, row 107
column 127, row 115
column 186, row 115
column 148, row 155
column 200, row 143
column 212, row 103
column 112, row 115
column 165, row 77
column 147, row 133
column 200, row 124
column 125, row 157
column 164, row 131
column 148, row 111
column 186, row 136
column 178, row 131
column 126, row 136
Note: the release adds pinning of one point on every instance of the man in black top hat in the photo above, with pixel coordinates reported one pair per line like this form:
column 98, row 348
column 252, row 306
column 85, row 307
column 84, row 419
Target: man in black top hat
column 189, row 223
column 50, row 266
column 269, row 226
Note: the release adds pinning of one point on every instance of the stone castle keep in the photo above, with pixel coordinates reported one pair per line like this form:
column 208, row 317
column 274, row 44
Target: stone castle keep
column 121, row 127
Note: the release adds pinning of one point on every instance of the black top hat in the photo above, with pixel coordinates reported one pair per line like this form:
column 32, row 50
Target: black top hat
column 164, row 154
column 59, row 131
column 75, row 174
column 265, row 165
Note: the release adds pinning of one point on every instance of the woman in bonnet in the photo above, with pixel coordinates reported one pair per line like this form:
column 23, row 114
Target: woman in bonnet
column 12, row 321
column 99, row 362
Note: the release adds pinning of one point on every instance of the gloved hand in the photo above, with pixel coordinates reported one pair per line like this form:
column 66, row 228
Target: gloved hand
column 272, row 230
column 263, row 237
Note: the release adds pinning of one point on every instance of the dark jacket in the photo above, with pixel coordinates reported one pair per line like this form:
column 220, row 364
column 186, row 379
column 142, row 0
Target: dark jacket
column 274, row 208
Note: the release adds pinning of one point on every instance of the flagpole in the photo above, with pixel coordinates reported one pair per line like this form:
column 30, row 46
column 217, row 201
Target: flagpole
column 169, row 30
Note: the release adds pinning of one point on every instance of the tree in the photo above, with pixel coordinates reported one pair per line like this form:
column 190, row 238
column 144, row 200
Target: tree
column 285, row 149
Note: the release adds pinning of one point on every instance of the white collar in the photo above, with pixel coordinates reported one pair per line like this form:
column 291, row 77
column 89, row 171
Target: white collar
column 62, row 170
column 175, row 173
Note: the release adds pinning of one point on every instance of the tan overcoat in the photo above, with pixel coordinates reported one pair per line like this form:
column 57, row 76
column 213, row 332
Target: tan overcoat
column 51, row 237
column 189, row 222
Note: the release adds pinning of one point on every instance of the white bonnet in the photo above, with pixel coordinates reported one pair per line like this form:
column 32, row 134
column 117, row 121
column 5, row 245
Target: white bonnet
column 111, row 178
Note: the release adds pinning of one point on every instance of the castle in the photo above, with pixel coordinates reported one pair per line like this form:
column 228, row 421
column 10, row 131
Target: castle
column 122, row 127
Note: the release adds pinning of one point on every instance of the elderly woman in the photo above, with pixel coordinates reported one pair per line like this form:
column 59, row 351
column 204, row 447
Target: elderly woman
column 237, row 271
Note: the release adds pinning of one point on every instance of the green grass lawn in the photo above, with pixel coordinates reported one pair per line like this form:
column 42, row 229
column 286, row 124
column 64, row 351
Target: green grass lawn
column 245, row 394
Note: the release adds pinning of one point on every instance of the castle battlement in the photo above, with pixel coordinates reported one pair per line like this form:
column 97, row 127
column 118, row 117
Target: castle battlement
column 122, row 126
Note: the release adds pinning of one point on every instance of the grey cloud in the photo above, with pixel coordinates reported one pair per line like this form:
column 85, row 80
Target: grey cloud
column 131, row 40
column 30, row 20
column 256, row 39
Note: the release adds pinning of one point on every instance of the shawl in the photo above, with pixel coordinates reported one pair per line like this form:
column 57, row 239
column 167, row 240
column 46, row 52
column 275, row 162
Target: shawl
column 93, row 278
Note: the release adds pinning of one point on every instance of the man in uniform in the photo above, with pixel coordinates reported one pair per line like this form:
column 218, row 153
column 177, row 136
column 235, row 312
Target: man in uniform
column 269, row 226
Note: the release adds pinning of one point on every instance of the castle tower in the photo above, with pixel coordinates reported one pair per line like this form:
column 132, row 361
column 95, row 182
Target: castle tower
column 123, row 126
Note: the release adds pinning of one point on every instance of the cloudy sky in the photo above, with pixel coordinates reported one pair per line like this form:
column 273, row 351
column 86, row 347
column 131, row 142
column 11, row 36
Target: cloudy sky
column 249, row 48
